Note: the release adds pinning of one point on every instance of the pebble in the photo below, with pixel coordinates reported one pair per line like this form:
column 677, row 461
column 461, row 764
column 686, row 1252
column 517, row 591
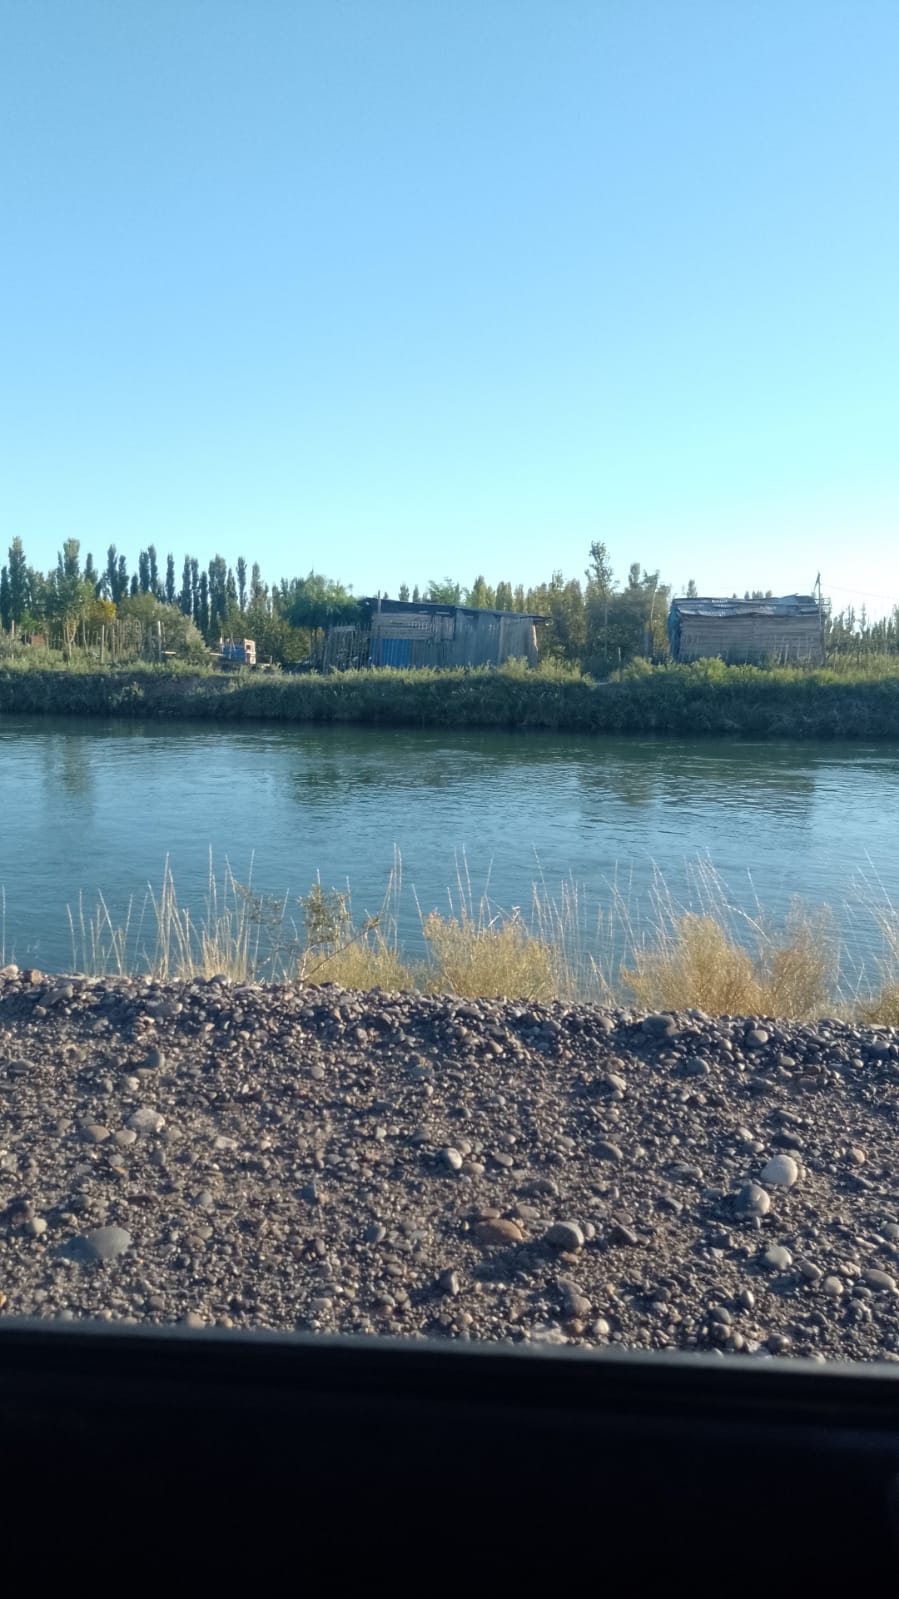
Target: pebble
column 105, row 1243
column 575, row 1303
column 606, row 1151
column 146, row 1121
column 498, row 1231
column 94, row 1133
column 752, row 1200
column 781, row 1171
column 660, row 1025
column 881, row 1280
column 452, row 1159
column 832, row 1286
column 777, row 1257
column 566, row 1235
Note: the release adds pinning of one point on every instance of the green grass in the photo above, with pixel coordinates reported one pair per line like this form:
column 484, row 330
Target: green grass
column 706, row 698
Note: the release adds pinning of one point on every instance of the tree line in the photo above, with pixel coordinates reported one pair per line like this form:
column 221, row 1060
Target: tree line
column 592, row 621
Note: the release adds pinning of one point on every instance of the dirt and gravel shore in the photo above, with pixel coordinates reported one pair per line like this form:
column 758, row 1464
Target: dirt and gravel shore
column 311, row 1158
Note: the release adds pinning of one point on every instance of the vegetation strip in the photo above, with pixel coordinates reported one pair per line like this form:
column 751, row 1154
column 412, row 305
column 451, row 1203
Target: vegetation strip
column 706, row 698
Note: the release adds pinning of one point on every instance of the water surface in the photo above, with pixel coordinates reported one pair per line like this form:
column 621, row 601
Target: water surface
column 89, row 806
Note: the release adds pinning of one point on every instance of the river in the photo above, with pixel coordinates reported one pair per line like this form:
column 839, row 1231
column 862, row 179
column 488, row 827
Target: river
column 92, row 807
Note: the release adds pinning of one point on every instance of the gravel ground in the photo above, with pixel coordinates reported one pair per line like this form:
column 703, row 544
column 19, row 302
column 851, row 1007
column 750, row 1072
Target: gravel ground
column 310, row 1158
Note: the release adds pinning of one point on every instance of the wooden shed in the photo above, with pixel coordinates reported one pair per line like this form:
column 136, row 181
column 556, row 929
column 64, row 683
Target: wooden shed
column 787, row 629
column 398, row 633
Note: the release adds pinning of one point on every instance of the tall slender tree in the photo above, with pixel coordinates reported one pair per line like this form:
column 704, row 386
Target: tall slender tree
column 186, row 597
column 170, row 595
column 19, row 583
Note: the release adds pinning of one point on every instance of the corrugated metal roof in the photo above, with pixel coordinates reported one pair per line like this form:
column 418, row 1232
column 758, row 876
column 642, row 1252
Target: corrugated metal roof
column 434, row 608
column 784, row 606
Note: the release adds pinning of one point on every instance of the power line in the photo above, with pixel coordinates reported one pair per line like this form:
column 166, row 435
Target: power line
column 866, row 594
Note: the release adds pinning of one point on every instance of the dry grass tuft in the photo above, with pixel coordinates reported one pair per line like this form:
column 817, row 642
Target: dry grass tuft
column 485, row 958
column 696, row 963
column 709, row 955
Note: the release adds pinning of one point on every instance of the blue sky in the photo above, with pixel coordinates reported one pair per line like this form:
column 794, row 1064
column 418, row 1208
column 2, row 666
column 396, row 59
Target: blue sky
column 400, row 288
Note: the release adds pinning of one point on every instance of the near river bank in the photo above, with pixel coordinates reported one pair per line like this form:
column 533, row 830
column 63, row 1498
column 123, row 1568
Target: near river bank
column 705, row 699
column 316, row 1158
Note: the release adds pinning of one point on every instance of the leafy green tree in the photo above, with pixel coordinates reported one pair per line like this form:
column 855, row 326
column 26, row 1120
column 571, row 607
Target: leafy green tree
column 185, row 599
column 445, row 592
column 416, row 595
column 90, row 575
column 480, row 597
column 68, row 595
column 316, row 602
column 692, row 591
column 20, row 584
column 170, row 595
column 404, row 593
column 5, row 612
column 154, row 570
column 241, row 582
column 218, row 593
column 143, row 569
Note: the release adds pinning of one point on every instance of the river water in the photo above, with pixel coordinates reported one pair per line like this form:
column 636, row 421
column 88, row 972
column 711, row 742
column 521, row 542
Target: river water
column 91, row 807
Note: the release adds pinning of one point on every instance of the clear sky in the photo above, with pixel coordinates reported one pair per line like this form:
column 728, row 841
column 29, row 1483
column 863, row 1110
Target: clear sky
column 404, row 288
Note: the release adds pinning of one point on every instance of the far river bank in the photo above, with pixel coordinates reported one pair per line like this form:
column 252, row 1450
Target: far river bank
column 707, row 701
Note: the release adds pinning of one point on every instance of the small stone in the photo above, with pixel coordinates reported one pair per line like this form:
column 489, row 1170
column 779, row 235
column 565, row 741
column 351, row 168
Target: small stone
column 155, row 1060
column 623, row 1235
column 94, row 1133
column 781, row 1171
column 452, row 1159
column 498, row 1231
column 146, row 1121
column 606, row 1151
column 746, row 1299
column 600, row 1328
column 778, row 1343
column 660, row 1025
column 125, row 1137
column 777, row 1258
column 809, row 1271
column 36, row 1226
column 880, row 1280
column 105, row 1243
column 375, row 1234
column 192, row 1319
column 756, row 1038
column 752, row 1200
column 575, row 1305
column 565, row 1235
column 449, row 1282
column 832, row 1287
column 614, row 1081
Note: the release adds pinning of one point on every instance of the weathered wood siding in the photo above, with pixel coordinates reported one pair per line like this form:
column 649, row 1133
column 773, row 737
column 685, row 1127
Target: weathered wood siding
column 459, row 638
column 750, row 639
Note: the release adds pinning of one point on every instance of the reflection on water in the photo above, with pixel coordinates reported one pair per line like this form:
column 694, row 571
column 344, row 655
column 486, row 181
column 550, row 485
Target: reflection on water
column 87, row 806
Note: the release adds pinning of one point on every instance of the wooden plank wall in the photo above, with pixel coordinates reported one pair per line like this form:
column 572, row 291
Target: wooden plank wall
column 750, row 638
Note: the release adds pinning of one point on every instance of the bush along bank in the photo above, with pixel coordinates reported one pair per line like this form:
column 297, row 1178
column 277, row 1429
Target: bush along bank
column 706, row 699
